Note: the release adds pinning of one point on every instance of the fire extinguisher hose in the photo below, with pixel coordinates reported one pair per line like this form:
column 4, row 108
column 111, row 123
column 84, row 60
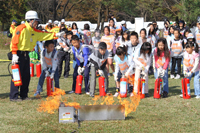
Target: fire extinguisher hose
column 9, row 69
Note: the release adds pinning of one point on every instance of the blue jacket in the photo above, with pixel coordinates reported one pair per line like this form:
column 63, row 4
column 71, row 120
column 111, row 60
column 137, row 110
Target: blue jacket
column 81, row 55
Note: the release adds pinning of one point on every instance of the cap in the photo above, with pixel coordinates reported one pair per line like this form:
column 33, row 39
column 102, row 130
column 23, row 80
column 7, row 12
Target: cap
column 63, row 20
column 14, row 21
column 123, row 22
column 190, row 35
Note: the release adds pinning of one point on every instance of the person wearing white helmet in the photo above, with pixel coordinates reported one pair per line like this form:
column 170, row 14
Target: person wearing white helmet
column 24, row 39
column 48, row 27
column 22, row 22
column 123, row 23
column 63, row 24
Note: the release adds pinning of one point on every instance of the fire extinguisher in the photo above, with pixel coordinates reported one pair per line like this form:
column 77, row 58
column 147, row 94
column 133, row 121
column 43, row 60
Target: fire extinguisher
column 32, row 69
column 186, row 88
column 38, row 70
column 123, row 87
column 79, row 81
column 16, row 75
column 102, row 91
column 50, row 87
column 158, row 88
column 141, row 86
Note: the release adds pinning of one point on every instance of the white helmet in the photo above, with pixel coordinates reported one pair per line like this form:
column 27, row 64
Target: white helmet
column 56, row 22
column 31, row 15
column 63, row 20
column 50, row 21
column 123, row 22
column 22, row 22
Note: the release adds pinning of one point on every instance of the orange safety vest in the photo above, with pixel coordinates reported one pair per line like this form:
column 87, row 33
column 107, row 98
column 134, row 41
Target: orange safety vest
column 198, row 39
column 161, row 61
column 109, row 41
column 142, row 61
column 176, row 47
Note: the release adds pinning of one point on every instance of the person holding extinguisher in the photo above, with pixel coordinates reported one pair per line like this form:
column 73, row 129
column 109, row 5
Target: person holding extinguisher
column 161, row 58
column 98, row 60
column 23, row 41
column 81, row 54
column 49, row 64
column 191, row 65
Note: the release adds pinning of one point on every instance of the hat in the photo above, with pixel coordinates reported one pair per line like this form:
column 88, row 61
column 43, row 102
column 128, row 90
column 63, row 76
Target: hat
column 63, row 20
column 56, row 22
column 123, row 22
column 14, row 21
column 102, row 45
column 50, row 21
column 22, row 22
column 190, row 36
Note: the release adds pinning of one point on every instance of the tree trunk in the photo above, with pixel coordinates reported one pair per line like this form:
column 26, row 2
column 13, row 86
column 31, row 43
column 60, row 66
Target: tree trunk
column 2, row 26
column 54, row 10
column 103, row 17
column 99, row 16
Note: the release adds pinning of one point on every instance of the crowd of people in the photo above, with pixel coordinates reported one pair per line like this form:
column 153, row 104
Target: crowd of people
column 134, row 54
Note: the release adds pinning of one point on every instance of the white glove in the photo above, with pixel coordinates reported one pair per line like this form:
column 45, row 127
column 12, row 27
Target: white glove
column 126, row 74
column 185, row 74
column 141, row 67
column 82, row 69
column 79, row 70
column 15, row 59
column 58, row 47
column 66, row 49
column 162, row 73
column 70, row 51
column 46, row 73
column 59, row 34
column 52, row 75
column 101, row 73
column 188, row 74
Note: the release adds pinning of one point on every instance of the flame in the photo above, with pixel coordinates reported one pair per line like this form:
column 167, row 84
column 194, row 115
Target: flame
column 52, row 102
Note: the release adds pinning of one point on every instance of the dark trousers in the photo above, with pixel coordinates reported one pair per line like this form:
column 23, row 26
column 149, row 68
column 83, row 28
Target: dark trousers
column 24, row 64
column 86, row 78
column 63, row 56
column 174, row 62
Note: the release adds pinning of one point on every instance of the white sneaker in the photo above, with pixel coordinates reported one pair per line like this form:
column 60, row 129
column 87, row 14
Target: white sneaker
column 116, row 94
column 177, row 77
column 181, row 95
column 197, row 97
column 71, row 92
column 87, row 93
column 172, row 76
column 131, row 94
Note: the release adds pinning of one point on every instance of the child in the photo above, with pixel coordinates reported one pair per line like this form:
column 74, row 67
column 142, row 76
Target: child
column 170, row 37
column 142, row 61
column 177, row 46
column 109, row 40
column 98, row 60
column 134, row 45
column 161, row 62
column 96, row 39
column 197, row 33
column 192, row 65
column 49, row 66
column 151, row 35
column 76, row 30
column 81, row 53
column 118, row 37
column 181, row 27
column 185, row 35
column 125, row 38
column 166, row 29
column 124, row 65
column 143, row 38
column 112, row 26
column 63, row 47
column 87, row 35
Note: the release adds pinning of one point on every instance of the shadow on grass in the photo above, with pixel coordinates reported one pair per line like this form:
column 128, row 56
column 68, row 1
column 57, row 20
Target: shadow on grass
column 129, row 118
column 4, row 95
column 5, row 75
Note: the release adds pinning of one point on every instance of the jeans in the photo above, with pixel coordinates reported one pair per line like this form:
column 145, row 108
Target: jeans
column 42, row 78
column 165, row 79
column 37, row 50
column 174, row 62
column 196, row 83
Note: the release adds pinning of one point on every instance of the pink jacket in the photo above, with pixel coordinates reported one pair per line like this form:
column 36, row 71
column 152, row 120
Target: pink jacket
column 161, row 61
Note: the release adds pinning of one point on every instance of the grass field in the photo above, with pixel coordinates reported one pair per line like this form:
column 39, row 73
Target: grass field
column 172, row 114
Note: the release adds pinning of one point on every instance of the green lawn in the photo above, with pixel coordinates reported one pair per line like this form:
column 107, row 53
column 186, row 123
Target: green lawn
column 172, row 114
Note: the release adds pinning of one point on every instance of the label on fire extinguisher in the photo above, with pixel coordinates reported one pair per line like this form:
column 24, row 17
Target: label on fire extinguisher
column 160, row 87
column 188, row 89
column 123, row 87
column 15, row 74
column 143, row 85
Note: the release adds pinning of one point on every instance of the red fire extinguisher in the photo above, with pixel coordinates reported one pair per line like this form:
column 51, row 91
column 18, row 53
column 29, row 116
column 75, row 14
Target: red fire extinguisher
column 50, row 87
column 32, row 69
column 16, row 75
column 158, row 88
column 102, row 91
column 186, row 88
column 79, row 81
column 141, row 87
column 123, row 87
column 38, row 70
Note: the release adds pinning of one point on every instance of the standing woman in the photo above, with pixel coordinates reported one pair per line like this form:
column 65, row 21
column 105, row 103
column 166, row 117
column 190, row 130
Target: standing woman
column 109, row 40
column 112, row 26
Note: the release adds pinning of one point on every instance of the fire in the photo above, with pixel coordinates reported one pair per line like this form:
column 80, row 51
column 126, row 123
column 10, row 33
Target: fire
column 52, row 103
